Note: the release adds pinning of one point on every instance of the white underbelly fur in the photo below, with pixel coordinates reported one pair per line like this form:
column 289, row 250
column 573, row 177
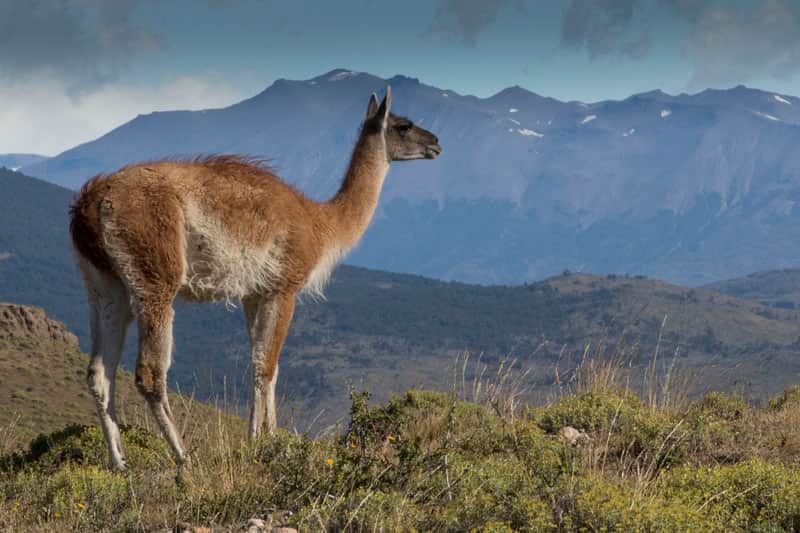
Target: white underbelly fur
column 220, row 268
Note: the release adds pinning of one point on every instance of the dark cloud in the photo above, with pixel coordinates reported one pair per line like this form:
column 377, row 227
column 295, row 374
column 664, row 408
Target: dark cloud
column 729, row 46
column 83, row 42
column 467, row 18
column 687, row 8
column 727, row 43
column 601, row 27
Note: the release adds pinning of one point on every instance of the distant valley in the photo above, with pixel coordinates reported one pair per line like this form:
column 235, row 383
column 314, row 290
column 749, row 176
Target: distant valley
column 389, row 332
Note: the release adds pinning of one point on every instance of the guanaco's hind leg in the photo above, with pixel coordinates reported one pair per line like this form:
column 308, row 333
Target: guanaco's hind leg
column 268, row 320
column 144, row 237
column 155, row 357
column 110, row 316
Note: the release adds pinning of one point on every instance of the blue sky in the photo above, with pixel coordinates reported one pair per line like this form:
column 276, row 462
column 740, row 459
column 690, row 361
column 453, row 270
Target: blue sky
column 70, row 70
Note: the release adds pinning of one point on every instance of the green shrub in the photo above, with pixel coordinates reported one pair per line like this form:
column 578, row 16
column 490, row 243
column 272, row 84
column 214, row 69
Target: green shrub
column 591, row 411
column 497, row 489
column 84, row 496
column 750, row 496
column 619, row 425
column 719, row 428
column 85, row 445
column 599, row 504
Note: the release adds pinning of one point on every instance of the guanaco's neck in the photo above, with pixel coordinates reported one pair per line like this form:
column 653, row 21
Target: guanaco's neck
column 355, row 203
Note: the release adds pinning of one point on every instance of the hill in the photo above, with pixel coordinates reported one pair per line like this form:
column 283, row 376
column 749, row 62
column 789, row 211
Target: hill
column 527, row 186
column 390, row 332
column 36, row 262
column 43, row 385
column 777, row 288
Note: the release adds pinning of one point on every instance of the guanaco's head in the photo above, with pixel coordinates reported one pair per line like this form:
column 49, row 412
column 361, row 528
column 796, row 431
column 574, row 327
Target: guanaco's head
column 404, row 140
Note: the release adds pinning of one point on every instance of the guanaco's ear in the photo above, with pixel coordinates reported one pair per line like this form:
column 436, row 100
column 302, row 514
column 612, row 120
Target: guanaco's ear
column 383, row 110
column 372, row 108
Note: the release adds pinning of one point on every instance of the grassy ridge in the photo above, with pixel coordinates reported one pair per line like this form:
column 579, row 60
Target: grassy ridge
column 427, row 461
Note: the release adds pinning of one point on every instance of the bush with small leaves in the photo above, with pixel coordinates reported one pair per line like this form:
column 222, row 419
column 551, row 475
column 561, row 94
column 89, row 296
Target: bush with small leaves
column 752, row 496
column 595, row 503
column 85, row 445
column 719, row 427
column 618, row 424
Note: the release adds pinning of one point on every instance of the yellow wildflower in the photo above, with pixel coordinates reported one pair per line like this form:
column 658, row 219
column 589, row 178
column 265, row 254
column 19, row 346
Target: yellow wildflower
column 391, row 438
column 56, row 515
column 17, row 504
column 81, row 506
column 329, row 461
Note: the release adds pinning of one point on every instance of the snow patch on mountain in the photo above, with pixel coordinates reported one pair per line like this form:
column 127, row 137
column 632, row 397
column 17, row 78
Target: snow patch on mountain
column 513, row 110
column 665, row 113
column 344, row 75
column 768, row 117
column 588, row 119
column 780, row 99
column 529, row 133
column 629, row 132
column 514, row 121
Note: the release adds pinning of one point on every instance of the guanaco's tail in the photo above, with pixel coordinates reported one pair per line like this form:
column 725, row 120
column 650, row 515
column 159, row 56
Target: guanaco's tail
column 84, row 226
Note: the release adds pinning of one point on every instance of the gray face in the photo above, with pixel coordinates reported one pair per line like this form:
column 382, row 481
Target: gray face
column 404, row 140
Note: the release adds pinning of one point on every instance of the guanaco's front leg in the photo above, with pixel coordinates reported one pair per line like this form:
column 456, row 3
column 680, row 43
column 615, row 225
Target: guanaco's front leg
column 268, row 320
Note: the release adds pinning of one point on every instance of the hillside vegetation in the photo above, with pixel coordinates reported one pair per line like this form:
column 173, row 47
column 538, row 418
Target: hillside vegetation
column 429, row 461
column 596, row 457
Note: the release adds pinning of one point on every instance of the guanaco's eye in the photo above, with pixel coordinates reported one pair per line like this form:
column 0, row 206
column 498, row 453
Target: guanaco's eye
column 403, row 128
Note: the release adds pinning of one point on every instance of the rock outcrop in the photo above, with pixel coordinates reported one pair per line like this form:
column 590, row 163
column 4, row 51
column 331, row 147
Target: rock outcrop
column 18, row 322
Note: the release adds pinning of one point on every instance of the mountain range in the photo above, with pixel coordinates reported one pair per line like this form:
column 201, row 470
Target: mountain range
column 688, row 188
column 17, row 161
column 389, row 332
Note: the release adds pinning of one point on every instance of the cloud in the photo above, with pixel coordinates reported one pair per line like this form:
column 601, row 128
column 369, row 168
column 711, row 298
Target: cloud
column 727, row 43
column 730, row 46
column 601, row 27
column 83, row 42
column 45, row 99
column 467, row 18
